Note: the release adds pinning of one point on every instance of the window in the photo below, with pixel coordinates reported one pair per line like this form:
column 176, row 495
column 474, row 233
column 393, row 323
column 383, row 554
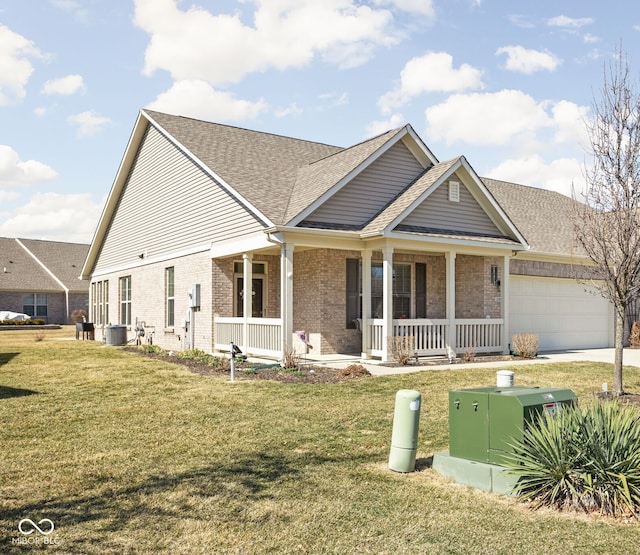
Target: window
column 35, row 304
column 401, row 290
column 495, row 276
column 100, row 302
column 169, row 284
column 125, row 300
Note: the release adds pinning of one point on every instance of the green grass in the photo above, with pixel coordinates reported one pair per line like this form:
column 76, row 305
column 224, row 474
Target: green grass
column 126, row 454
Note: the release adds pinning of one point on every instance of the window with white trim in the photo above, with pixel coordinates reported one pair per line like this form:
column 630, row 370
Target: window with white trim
column 125, row 300
column 35, row 304
column 169, row 284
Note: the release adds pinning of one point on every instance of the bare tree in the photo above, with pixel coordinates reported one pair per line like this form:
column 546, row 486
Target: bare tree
column 607, row 223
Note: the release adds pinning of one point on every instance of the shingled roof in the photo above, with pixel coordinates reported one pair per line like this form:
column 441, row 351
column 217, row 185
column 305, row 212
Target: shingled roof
column 542, row 216
column 282, row 177
column 27, row 260
column 262, row 167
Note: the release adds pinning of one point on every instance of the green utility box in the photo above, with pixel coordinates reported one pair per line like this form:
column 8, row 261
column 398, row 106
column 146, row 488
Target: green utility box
column 483, row 421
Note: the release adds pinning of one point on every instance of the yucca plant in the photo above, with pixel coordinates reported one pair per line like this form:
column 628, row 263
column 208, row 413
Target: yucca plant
column 585, row 458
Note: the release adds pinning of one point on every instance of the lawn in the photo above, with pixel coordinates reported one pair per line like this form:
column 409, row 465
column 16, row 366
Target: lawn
column 126, row 454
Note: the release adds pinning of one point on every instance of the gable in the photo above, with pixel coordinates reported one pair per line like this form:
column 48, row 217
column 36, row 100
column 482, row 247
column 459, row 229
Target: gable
column 369, row 192
column 438, row 213
column 169, row 204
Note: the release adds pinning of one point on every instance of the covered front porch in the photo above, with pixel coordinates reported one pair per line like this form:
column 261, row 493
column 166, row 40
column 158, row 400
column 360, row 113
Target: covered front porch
column 338, row 298
column 430, row 337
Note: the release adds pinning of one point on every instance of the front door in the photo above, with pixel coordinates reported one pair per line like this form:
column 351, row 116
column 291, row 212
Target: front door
column 258, row 297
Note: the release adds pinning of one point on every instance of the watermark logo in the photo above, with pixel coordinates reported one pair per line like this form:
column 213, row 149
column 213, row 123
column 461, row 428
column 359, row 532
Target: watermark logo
column 26, row 526
column 35, row 533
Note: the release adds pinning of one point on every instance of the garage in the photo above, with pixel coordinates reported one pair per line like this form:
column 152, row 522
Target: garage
column 560, row 312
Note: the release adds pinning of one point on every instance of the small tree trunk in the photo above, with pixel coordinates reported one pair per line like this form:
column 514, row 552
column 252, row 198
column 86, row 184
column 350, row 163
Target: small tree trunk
column 617, row 366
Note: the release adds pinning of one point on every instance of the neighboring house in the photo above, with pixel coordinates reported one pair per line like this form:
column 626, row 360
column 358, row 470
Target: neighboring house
column 42, row 278
column 213, row 234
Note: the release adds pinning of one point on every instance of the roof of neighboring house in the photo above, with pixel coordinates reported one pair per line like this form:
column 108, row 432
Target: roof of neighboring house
column 41, row 266
column 542, row 216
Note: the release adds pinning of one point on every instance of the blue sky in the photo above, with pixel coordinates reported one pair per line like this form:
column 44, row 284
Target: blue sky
column 507, row 84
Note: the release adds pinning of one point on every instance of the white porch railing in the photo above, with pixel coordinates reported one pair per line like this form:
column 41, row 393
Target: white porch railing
column 263, row 335
column 432, row 336
column 483, row 335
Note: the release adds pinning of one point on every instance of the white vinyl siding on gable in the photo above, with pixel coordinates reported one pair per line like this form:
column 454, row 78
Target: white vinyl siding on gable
column 363, row 197
column 169, row 204
column 438, row 212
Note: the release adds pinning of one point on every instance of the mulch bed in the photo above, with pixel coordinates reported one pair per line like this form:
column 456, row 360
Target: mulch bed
column 247, row 371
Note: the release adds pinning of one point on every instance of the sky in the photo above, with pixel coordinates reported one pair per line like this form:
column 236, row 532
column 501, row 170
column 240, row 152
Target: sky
column 507, row 84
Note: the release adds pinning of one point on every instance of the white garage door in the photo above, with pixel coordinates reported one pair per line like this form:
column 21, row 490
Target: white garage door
column 561, row 312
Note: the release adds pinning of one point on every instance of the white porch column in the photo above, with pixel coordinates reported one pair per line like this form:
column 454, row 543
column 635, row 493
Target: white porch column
column 366, row 303
column 286, row 295
column 504, row 302
column 451, row 298
column 387, row 301
column 247, row 298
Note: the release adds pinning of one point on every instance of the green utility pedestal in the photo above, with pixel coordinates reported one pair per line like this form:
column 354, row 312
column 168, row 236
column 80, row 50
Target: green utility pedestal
column 404, row 437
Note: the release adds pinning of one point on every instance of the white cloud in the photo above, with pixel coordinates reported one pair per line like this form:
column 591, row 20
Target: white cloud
column 558, row 175
column 421, row 7
column 431, row 72
column 88, row 123
column 293, row 108
column 54, row 216
column 16, row 53
column 569, row 122
column 200, row 100
column 67, row 85
column 6, row 196
column 508, row 117
column 381, row 126
column 14, row 171
column 523, row 60
column 569, row 23
column 198, row 45
column 485, row 118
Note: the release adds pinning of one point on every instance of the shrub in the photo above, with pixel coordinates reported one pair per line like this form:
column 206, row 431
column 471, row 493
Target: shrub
column 525, row 344
column 401, row 348
column 78, row 315
column 470, row 354
column 201, row 356
column 290, row 359
column 37, row 322
column 583, row 458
